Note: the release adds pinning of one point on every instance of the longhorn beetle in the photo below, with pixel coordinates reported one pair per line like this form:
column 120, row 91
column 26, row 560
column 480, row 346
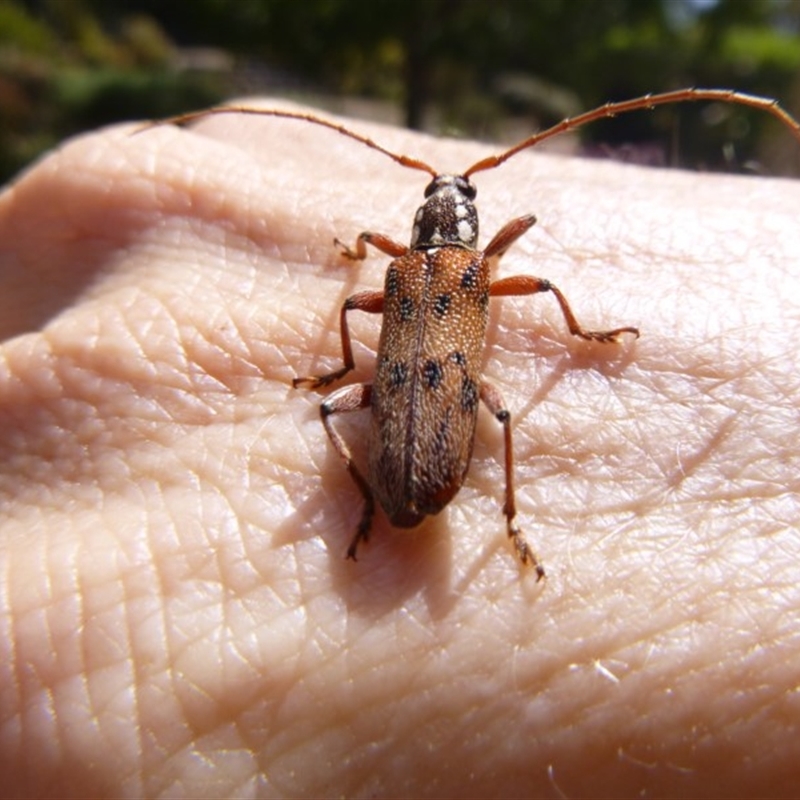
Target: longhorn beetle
column 424, row 398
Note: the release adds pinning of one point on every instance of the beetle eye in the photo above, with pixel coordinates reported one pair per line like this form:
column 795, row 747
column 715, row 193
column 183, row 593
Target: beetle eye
column 466, row 188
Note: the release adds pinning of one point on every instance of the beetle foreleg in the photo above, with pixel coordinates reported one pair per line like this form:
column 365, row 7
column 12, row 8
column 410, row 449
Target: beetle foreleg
column 494, row 402
column 377, row 240
column 351, row 398
column 372, row 303
column 518, row 285
column 507, row 235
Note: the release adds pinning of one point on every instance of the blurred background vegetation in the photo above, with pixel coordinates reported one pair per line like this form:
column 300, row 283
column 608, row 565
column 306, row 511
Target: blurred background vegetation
column 491, row 69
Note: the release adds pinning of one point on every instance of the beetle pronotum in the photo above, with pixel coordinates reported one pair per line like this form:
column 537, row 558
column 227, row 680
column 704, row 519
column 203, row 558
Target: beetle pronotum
column 427, row 386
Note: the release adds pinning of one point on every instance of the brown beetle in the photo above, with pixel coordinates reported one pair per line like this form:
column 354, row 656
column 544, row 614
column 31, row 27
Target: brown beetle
column 424, row 399
column 435, row 300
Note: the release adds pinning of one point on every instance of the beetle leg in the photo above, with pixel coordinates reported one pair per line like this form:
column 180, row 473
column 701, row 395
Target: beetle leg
column 494, row 402
column 377, row 240
column 507, row 235
column 372, row 303
column 518, row 285
column 350, row 398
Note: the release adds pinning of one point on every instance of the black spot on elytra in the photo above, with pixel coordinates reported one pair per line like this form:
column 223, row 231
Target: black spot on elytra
column 469, row 394
column 441, row 304
column 406, row 309
column 459, row 358
column 484, row 299
column 398, row 374
column 392, row 282
column 469, row 280
column 432, row 372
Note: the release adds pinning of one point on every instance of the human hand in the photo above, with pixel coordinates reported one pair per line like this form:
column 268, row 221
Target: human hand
column 178, row 617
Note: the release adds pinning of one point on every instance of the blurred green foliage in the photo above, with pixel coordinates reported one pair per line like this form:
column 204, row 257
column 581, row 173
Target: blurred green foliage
column 478, row 67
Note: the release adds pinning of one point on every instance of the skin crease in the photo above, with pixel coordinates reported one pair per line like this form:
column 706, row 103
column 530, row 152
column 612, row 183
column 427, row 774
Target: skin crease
column 177, row 614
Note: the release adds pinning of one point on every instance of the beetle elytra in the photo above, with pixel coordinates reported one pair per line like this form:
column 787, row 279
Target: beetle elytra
column 427, row 386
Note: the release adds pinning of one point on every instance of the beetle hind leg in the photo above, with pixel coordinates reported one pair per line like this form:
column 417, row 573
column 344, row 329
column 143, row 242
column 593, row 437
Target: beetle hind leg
column 494, row 402
column 351, row 398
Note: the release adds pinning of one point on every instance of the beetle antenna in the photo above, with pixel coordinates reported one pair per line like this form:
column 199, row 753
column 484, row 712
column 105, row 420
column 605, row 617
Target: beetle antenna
column 648, row 101
column 192, row 116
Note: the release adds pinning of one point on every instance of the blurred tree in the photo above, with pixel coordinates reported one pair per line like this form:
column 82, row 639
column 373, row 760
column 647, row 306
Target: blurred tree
column 465, row 65
column 469, row 63
column 62, row 70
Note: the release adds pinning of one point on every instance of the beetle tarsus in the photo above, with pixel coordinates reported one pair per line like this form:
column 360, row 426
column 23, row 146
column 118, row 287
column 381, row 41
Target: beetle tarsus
column 607, row 336
column 345, row 251
column 319, row 381
column 524, row 551
column 362, row 534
